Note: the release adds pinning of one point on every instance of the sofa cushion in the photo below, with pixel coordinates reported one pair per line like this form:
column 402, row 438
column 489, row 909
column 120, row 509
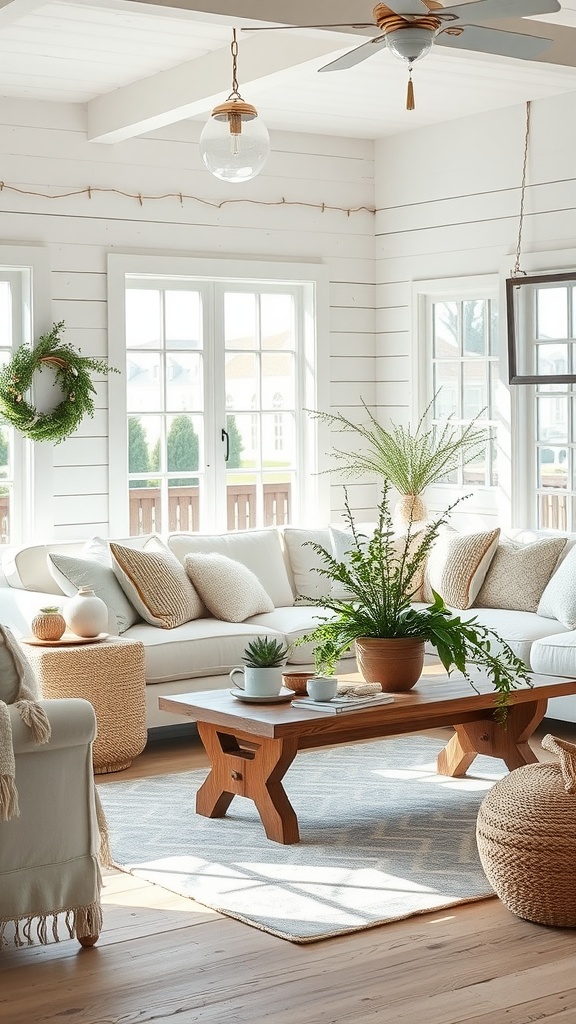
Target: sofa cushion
column 555, row 655
column 156, row 585
column 559, row 598
column 201, row 647
column 229, row 590
column 518, row 574
column 259, row 550
column 71, row 573
column 305, row 561
column 26, row 568
column 457, row 566
column 518, row 629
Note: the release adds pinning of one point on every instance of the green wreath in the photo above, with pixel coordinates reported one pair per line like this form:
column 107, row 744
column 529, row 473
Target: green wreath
column 72, row 372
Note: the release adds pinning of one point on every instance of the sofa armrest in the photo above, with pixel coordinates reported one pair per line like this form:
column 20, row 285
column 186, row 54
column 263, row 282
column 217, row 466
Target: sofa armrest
column 72, row 720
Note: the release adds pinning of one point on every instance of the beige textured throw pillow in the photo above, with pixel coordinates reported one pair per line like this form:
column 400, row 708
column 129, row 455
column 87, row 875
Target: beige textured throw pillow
column 457, row 566
column 519, row 573
column 229, row 589
column 157, row 586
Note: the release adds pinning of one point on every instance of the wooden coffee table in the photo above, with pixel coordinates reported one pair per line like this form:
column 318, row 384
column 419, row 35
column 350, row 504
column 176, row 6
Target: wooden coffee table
column 251, row 746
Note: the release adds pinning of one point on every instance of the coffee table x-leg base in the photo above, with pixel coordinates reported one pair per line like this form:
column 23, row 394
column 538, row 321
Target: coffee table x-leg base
column 485, row 736
column 255, row 771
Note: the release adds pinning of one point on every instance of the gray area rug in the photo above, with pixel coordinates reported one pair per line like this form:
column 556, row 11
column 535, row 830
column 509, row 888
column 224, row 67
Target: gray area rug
column 382, row 837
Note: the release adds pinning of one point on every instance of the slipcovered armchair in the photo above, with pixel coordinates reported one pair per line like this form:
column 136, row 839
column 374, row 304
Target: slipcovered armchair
column 52, row 832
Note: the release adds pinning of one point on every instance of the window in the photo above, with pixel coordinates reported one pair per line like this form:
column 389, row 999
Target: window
column 218, row 374
column 458, row 365
column 25, row 487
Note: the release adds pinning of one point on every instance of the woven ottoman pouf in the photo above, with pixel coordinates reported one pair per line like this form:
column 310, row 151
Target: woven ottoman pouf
column 526, row 835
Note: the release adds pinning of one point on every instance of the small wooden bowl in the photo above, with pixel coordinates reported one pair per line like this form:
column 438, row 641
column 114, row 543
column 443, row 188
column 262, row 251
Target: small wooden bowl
column 297, row 681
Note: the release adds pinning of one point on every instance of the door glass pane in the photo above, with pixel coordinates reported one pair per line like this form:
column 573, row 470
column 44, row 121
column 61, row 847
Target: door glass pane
column 183, row 323
column 240, row 320
column 552, row 418
column 552, row 468
column 474, row 471
column 142, row 318
column 474, row 396
column 143, row 389
column 278, row 380
column 184, row 382
column 474, row 327
column 241, row 501
column 278, row 439
column 277, row 321
column 143, row 445
column 445, row 319
column 242, row 381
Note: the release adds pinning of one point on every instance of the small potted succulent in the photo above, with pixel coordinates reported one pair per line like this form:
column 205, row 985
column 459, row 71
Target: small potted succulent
column 264, row 658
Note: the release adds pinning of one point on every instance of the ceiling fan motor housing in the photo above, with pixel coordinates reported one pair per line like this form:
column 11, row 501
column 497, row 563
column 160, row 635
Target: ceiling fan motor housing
column 408, row 40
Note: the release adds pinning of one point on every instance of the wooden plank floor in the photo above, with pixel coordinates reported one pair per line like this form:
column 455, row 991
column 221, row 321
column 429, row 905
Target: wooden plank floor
column 162, row 958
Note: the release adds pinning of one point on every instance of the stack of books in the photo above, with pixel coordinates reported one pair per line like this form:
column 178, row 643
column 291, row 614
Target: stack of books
column 343, row 702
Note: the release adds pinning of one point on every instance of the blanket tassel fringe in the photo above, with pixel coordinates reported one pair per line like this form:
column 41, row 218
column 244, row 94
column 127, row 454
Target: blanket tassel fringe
column 81, row 923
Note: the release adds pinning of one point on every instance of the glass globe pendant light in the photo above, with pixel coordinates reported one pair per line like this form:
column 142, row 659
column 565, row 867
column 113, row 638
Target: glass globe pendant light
column 234, row 143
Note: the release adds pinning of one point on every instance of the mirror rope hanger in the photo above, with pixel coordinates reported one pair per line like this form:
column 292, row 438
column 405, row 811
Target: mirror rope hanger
column 517, row 271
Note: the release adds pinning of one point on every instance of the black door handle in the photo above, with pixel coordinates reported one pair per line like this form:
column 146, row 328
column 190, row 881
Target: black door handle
column 226, row 437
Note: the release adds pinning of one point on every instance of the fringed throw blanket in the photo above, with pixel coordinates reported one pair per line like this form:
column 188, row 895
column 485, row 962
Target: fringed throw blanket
column 22, row 688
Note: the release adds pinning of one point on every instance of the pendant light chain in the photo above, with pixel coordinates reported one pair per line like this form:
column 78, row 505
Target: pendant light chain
column 516, row 271
column 234, row 51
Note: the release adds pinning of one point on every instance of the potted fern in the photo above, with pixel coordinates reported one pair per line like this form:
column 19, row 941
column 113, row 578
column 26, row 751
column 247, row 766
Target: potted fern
column 383, row 575
column 410, row 460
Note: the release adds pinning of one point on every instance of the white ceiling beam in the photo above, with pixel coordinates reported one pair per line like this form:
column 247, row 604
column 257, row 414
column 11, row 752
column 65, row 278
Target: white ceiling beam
column 196, row 86
column 12, row 11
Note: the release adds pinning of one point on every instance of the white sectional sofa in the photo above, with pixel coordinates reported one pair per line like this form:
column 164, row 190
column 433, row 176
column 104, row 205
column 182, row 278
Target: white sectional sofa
column 199, row 654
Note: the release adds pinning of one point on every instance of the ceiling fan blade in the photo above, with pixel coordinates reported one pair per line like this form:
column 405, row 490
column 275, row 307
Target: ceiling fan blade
column 490, row 10
column 492, row 40
column 356, row 56
column 280, row 28
column 414, row 7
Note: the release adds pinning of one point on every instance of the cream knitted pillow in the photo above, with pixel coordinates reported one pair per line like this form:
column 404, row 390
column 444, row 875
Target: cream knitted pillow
column 519, row 573
column 229, row 589
column 457, row 566
column 156, row 585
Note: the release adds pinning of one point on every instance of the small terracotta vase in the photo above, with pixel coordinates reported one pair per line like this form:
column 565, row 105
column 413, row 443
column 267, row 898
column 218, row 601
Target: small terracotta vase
column 395, row 663
column 48, row 624
column 86, row 615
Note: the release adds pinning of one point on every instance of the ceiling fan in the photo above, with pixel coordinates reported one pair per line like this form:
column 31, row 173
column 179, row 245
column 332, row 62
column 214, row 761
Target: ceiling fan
column 409, row 29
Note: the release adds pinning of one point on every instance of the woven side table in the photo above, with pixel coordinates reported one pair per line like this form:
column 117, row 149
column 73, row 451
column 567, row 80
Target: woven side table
column 109, row 674
column 526, row 835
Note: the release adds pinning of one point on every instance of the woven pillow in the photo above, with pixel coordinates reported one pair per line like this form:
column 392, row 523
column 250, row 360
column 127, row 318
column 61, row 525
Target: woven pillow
column 518, row 574
column 156, row 585
column 559, row 598
column 71, row 573
column 229, row 589
column 457, row 566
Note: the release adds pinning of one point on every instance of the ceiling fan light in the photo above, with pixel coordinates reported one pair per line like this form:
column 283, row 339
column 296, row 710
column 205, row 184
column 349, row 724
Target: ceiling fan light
column 411, row 42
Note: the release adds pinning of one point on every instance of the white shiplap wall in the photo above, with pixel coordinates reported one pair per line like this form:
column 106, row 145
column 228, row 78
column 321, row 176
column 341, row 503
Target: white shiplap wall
column 448, row 200
column 44, row 149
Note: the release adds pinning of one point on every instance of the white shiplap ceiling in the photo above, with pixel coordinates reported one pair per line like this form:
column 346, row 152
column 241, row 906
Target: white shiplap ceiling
column 140, row 64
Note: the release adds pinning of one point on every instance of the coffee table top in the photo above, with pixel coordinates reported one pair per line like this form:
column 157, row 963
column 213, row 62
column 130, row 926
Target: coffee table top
column 436, row 700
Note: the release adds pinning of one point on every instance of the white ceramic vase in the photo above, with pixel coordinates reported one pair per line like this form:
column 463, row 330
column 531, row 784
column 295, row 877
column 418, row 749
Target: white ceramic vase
column 85, row 614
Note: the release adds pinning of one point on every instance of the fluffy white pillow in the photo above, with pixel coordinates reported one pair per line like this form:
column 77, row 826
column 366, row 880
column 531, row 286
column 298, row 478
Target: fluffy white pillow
column 71, row 573
column 559, row 598
column 156, row 585
column 305, row 561
column 457, row 565
column 229, row 589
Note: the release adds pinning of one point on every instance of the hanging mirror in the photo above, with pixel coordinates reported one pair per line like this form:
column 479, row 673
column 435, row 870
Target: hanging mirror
column 541, row 318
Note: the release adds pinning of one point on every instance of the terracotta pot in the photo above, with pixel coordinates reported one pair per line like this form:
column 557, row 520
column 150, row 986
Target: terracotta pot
column 395, row 663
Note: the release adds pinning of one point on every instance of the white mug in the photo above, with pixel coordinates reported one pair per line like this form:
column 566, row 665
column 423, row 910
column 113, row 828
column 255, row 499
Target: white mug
column 257, row 682
column 322, row 687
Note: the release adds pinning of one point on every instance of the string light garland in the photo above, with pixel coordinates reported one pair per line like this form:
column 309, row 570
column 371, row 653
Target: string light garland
column 72, row 375
column 91, row 190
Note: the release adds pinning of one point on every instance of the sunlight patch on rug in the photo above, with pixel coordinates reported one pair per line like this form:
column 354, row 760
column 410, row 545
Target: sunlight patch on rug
column 383, row 837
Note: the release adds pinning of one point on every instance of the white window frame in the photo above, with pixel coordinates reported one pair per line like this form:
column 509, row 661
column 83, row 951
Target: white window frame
column 31, row 513
column 313, row 502
column 485, row 500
